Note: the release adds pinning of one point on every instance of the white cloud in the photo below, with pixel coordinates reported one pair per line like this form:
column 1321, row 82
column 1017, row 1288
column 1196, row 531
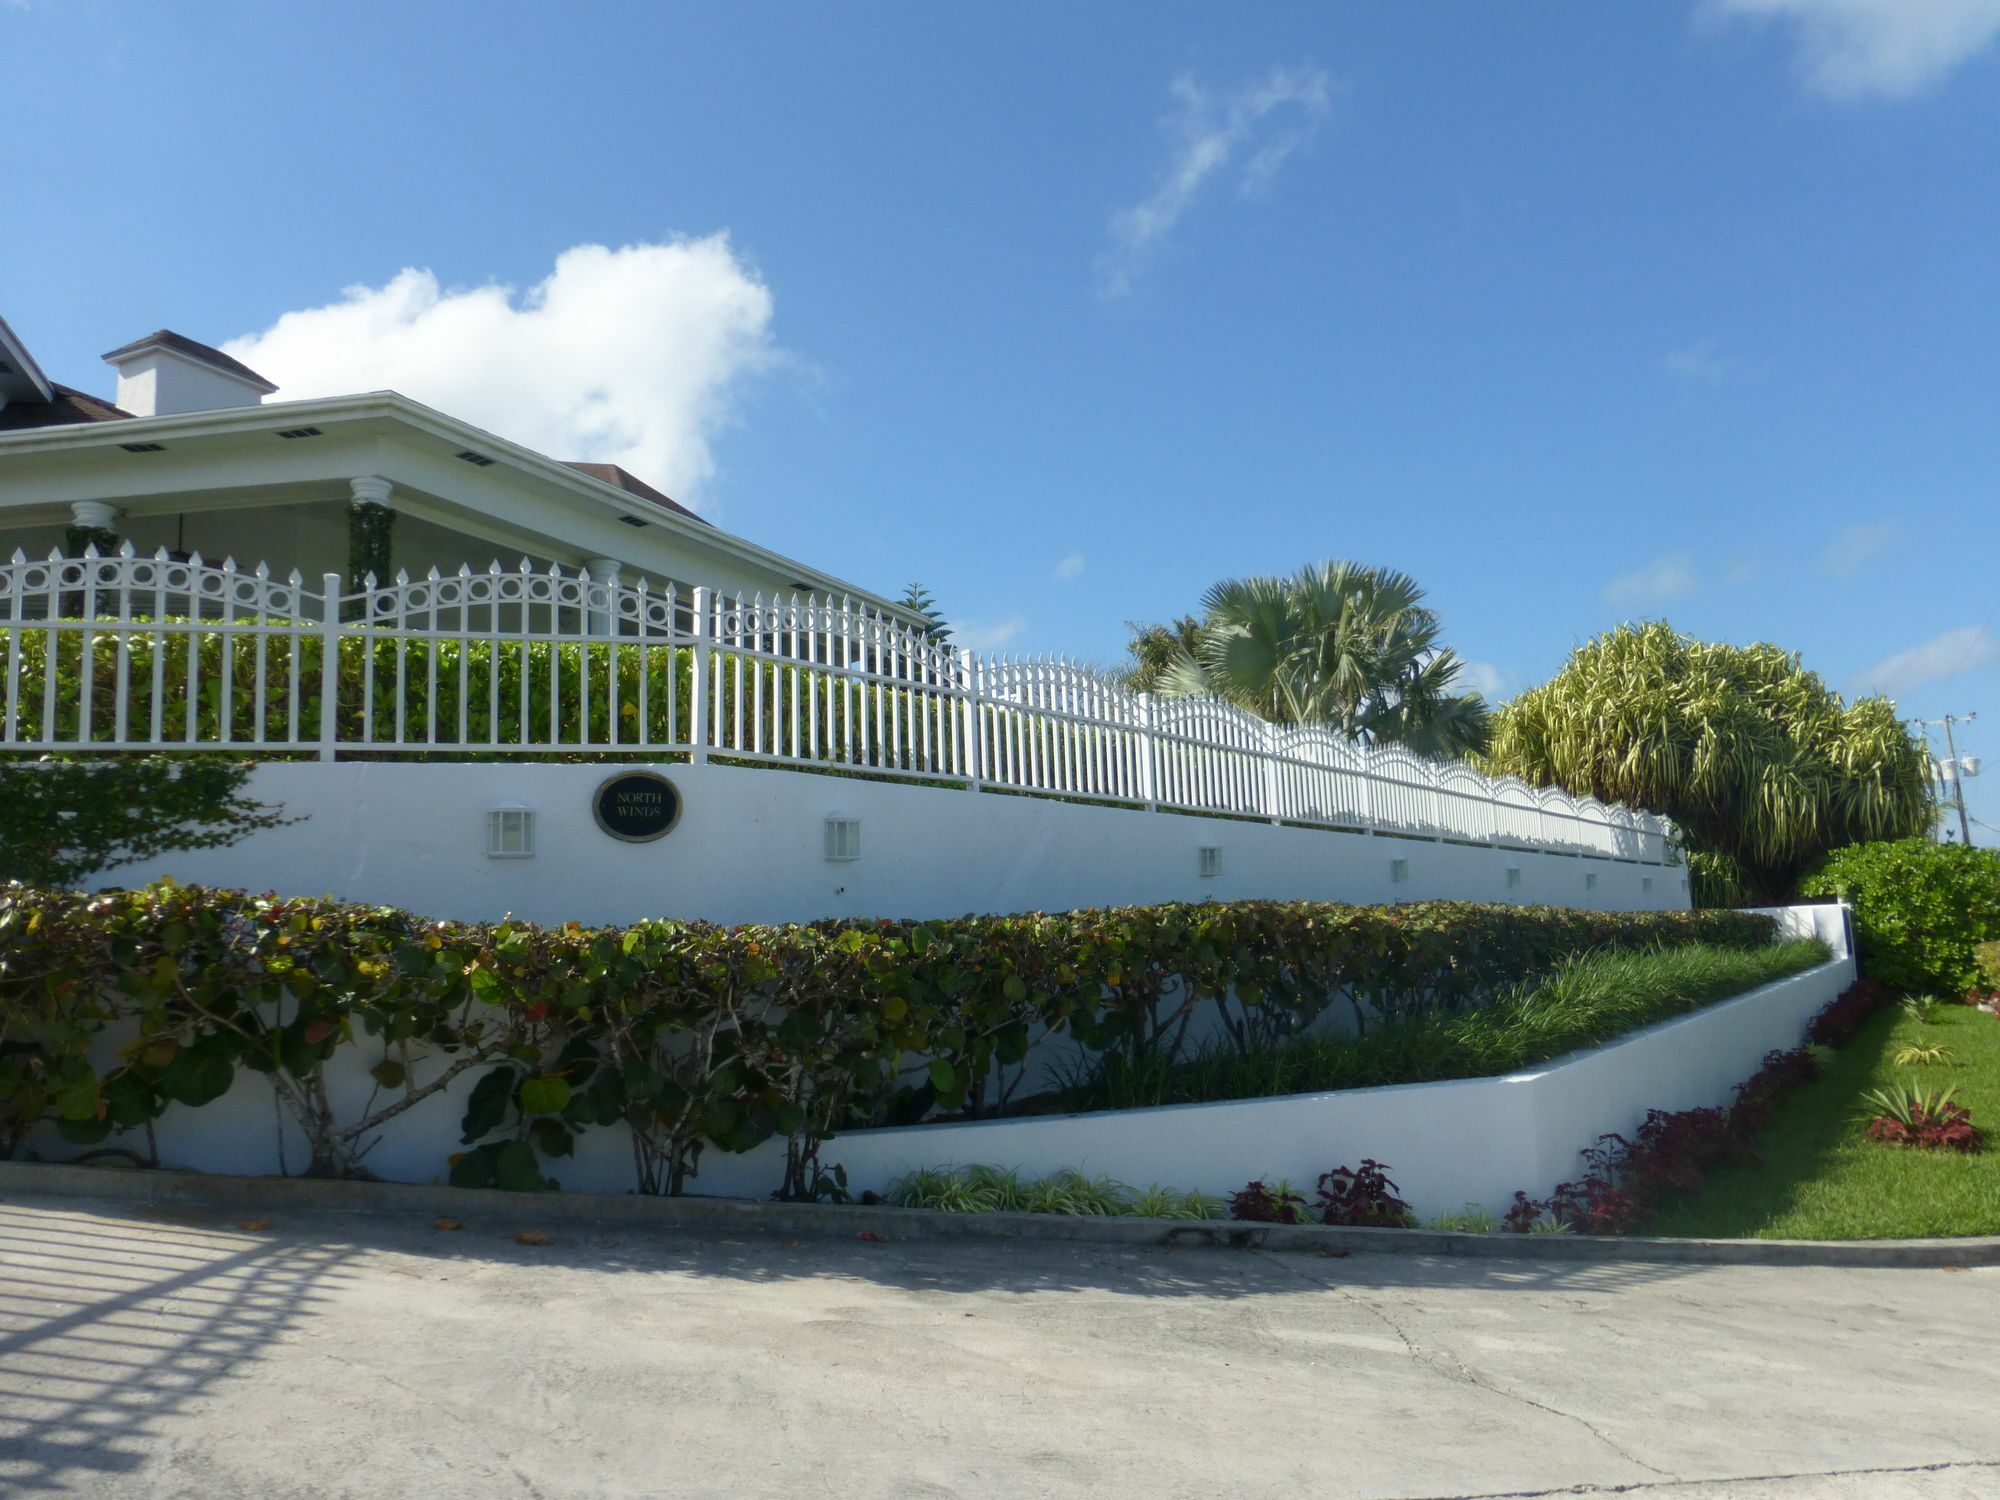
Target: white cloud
column 1850, row 49
column 1966, row 649
column 1660, row 582
column 1261, row 124
column 1700, row 361
column 1484, row 679
column 1854, row 545
column 987, row 635
column 629, row 356
column 1071, row 567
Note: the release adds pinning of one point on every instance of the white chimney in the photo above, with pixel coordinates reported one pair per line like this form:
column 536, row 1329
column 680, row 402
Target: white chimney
column 165, row 372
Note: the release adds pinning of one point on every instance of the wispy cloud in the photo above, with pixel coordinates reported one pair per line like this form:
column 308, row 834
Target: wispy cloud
column 1700, row 361
column 629, row 356
column 1660, row 582
column 1259, row 126
column 1966, row 649
column 1853, row 546
column 988, row 635
column 1484, row 679
column 1070, row 568
column 1854, row 49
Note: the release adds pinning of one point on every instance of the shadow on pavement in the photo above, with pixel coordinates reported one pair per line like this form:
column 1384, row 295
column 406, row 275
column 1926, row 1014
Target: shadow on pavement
column 109, row 1323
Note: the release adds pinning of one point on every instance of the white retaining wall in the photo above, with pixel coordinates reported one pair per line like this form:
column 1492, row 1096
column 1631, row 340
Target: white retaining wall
column 750, row 847
column 1468, row 1141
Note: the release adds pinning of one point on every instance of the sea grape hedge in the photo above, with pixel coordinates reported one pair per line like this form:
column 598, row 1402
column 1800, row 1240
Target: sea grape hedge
column 117, row 1005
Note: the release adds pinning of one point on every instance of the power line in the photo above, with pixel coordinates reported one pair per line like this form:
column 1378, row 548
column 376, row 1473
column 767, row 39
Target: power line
column 1954, row 765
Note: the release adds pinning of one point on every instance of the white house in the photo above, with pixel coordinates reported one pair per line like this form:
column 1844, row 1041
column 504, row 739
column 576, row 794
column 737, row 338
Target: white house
column 193, row 456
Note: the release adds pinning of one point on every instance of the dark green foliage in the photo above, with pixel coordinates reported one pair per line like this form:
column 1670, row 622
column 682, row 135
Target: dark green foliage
column 1921, row 909
column 61, row 821
column 694, row 1035
column 371, row 530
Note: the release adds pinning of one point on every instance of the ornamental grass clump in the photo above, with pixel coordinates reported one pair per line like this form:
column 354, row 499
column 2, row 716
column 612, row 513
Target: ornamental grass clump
column 1910, row 1115
column 989, row 1189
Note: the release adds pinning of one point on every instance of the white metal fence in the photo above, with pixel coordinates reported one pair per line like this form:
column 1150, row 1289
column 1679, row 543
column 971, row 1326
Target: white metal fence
column 154, row 653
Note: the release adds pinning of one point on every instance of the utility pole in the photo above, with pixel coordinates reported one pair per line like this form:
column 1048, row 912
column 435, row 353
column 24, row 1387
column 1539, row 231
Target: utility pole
column 1952, row 764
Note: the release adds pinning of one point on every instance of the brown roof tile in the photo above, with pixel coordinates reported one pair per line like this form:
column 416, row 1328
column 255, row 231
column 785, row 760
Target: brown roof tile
column 70, row 406
column 631, row 484
column 180, row 343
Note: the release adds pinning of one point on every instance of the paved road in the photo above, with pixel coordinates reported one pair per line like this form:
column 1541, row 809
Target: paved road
column 146, row 1355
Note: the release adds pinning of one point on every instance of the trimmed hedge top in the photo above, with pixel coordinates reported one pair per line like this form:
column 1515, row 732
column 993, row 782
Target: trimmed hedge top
column 694, row 1035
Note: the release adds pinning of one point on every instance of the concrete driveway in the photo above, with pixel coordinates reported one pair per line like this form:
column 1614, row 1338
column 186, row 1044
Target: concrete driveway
column 184, row 1355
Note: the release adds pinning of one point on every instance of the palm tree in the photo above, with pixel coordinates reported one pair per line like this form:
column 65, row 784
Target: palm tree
column 1336, row 643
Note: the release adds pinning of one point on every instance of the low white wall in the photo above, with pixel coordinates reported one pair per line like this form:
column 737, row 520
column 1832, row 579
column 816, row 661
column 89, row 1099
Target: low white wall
column 1468, row 1141
column 1448, row 1144
column 750, row 847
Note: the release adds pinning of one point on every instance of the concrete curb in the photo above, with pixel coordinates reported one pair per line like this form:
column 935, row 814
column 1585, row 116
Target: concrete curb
column 20, row 1180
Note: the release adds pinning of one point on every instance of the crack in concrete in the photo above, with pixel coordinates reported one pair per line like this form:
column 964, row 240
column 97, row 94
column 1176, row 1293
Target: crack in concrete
column 1458, row 1370
column 1666, row 1486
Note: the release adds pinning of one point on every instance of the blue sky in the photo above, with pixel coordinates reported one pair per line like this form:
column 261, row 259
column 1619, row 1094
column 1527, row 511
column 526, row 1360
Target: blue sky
column 1578, row 312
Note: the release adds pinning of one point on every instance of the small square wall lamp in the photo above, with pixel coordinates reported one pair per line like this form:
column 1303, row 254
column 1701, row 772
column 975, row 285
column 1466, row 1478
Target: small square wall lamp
column 843, row 838
column 1209, row 860
column 1513, row 877
column 510, row 833
column 1399, row 871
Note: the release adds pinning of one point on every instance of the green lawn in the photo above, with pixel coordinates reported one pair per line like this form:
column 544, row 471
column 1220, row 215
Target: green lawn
column 1821, row 1179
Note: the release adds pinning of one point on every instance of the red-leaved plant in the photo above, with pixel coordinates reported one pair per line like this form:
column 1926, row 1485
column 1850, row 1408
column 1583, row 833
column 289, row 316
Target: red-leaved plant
column 1362, row 1198
column 1844, row 1015
column 1258, row 1204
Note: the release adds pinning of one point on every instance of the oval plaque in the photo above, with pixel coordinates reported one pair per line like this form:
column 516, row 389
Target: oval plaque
column 637, row 806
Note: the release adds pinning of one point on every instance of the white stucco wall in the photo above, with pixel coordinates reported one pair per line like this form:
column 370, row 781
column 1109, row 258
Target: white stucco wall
column 750, row 847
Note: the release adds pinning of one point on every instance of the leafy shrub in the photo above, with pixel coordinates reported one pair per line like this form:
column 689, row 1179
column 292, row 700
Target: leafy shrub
column 1923, row 1009
column 693, row 1035
column 1257, row 1204
column 1920, row 1117
column 1921, row 909
column 1362, row 1197
column 1986, row 959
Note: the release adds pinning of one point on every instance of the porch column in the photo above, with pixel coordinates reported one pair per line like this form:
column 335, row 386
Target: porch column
column 93, row 523
column 603, row 620
column 371, row 525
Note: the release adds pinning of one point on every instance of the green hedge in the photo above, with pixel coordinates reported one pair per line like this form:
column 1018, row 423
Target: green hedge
column 694, row 1035
column 1920, row 909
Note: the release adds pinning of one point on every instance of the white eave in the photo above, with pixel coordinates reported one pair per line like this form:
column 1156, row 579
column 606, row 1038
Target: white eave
column 21, row 379
column 395, row 407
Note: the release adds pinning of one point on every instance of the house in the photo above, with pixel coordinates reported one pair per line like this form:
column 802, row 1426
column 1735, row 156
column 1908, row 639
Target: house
column 192, row 455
